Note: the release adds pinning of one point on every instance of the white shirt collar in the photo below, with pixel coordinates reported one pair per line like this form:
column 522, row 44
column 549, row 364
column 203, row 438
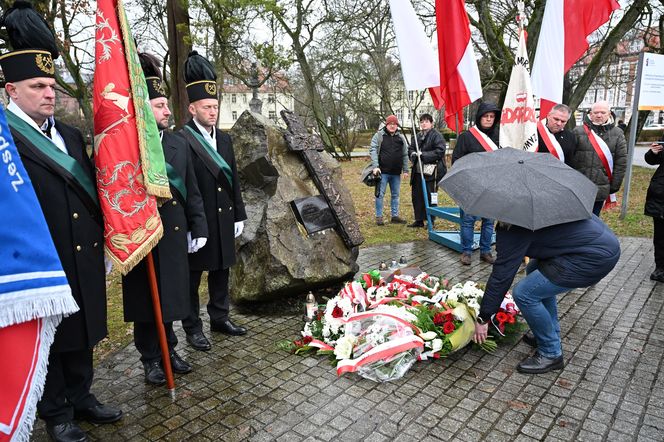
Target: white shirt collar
column 211, row 138
column 56, row 138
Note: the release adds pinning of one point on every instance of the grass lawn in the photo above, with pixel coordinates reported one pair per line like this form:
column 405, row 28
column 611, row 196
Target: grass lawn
column 634, row 224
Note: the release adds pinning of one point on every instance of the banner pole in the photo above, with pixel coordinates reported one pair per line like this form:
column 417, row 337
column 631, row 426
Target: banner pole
column 634, row 121
column 161, row 331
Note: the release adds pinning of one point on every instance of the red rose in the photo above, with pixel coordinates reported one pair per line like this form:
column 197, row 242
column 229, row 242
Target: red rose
column 337, row 312
column 298, row 343
column 439, row 319
column 449, row 317
column 501, row 317
column 448, row 327
column 414, row 303
column 307, row 340
column 511, row 319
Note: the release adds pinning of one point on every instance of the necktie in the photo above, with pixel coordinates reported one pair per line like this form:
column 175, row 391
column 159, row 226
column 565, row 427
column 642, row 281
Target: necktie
column 47, row 131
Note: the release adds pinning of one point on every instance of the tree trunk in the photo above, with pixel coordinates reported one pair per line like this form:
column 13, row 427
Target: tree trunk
column 179, row 46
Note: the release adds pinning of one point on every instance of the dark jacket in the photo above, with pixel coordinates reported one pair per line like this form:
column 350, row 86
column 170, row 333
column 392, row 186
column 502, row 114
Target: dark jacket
column 655, row 195
column 178, row 217
column 78, row 235
column 222, row 209
column 377, row 142
column 432, row 146
column 588, row 163
column 567, row 141
column 467, row 143
column 571, row 255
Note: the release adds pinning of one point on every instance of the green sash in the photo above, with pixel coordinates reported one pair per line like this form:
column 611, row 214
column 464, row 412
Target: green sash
column 218, row 159
column 52, row 152
column 176, row 181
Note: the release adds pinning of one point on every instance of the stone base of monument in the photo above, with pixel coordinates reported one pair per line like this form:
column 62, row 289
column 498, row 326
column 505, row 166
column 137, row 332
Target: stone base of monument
column 276, row 256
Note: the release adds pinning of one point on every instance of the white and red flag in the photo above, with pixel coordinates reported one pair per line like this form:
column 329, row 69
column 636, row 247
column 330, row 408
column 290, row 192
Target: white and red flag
column 518, row 125
column 566, row 25
column 459, row 76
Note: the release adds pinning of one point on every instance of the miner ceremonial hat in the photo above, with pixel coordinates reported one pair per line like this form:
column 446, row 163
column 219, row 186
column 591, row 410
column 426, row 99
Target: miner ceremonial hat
column 32, row 43
column 151, row 70
column 200, row 77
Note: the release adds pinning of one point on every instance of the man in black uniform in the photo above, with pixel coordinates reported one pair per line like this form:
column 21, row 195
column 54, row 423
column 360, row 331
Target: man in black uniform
column 181, row 216
column 216, row 172
column 63, row 177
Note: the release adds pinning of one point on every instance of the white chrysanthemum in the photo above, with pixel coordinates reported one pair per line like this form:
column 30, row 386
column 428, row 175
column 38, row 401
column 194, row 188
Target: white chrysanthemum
column 382, row 293
column 306, row 331
column 344, row 348
column 371, row 293
column 394, row 310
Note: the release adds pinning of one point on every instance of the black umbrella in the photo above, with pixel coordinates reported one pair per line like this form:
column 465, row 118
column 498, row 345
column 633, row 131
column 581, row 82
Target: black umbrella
column 531, row 190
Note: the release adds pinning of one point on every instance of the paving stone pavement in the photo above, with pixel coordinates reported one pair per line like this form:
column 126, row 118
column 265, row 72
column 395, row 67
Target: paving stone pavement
column 247, row 389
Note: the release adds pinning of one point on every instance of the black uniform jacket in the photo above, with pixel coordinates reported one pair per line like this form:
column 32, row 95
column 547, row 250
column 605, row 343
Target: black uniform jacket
column 170, row 255
column 77, row 231
column 223, row 207
column 567, row 142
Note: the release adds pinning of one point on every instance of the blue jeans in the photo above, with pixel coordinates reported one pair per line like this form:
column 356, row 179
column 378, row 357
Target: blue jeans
column 535, row 296
column 395, row 184
column 468, row 233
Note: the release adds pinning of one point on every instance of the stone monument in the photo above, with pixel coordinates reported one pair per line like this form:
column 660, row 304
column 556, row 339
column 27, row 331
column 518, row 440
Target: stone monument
column 301, row 232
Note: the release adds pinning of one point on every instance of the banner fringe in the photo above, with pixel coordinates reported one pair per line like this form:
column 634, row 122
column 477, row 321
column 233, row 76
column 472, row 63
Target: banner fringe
column 138, row 254
column 54, row 301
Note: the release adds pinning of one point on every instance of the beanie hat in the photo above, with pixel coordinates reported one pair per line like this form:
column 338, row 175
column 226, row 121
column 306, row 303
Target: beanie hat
column 392, row 119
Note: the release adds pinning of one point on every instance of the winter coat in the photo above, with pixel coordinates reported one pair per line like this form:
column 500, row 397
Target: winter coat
column 571, row 255
column 377, row 141
column 655, row 195
column 567, row 142
column 467, row 143
column 432, row 146
column 78, row 234
column 588, row 163
column 178, row 216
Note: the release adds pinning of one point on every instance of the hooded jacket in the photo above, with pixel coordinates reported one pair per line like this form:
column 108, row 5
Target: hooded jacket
column 655, row 196
column 588, row 163
column 467, row 143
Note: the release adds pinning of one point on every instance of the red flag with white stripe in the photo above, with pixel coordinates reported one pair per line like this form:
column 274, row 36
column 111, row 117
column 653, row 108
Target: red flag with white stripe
column 566, row 25
column 459, row 76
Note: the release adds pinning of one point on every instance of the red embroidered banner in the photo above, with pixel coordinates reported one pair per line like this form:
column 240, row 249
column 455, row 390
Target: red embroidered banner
column 131, row 171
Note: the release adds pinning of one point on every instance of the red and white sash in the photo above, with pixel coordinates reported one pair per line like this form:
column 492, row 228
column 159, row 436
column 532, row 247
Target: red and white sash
column 605, row 156
column 486, row 142
column 550, row 140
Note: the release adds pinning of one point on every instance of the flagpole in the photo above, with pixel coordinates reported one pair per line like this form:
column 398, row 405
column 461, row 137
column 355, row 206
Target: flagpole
column 161, row 332
column 425, row 191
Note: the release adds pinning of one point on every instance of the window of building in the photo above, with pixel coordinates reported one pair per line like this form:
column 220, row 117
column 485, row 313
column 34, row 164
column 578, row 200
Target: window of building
column 272, row 115
column 233, row 98
column 234, row 114
column 399, row 114
column 244, row 98
column 271, row 98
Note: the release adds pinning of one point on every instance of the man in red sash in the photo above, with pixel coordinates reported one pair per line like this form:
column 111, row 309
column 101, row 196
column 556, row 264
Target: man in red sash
column 483, row 137
column 54, row 155
column 554, row 138
column 216, row 174
column 601, row 153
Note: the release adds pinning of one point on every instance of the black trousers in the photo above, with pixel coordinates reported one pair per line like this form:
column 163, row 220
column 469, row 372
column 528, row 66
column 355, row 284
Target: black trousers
column 658, row 242
column 67, row 386
column 218, row 303
column 597, row 208
column 419, row 209
column 147, row 340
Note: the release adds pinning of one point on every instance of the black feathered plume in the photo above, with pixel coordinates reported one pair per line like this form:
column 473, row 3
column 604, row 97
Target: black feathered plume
column 27, row 29
column 150, row 64
column 198, row 68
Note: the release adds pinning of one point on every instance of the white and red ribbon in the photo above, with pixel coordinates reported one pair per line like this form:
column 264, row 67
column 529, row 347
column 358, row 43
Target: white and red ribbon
column 320, row 345
column 380, row 352
column 486, row 142
column 550, row 140
column 604, row 153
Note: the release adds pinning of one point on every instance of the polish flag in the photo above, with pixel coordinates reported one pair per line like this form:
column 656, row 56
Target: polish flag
column 452, row 76
column 566, row 25
column 459, row 76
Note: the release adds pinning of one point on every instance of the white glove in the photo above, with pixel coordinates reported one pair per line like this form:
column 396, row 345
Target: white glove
column 108, row 265
column 194, row 245
column 239, row 227
column 197, row 244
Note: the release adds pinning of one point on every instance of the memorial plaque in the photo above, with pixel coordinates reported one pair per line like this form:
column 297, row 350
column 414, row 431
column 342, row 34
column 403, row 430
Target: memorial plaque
column 313, row 213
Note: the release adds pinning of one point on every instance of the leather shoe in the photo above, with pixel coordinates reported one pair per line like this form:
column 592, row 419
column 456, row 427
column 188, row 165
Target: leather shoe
column 198, row 341
column 154, row 374
column 529, row 339
column 487, row 257
column 227, row 327
column 417, row 224
column 66, row 432
column 179, row 365
column 657, row 275
column 540, row 364
column 99, row 414
column 465, row 259
column 397, row 220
